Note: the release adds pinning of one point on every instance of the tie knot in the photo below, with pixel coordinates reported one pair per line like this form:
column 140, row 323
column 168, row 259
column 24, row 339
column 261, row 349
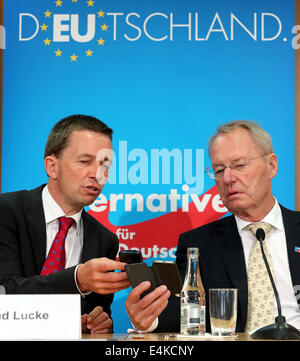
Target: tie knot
column 65, row 223
column 253, row 227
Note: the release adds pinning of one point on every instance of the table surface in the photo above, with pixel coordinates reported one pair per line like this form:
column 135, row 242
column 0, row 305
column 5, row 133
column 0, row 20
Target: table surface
column 166, row 337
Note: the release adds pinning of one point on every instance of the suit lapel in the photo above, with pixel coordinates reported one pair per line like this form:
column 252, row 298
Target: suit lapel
column 90, row 239
column 291, row 222
column 228, row 243
column 35, row 218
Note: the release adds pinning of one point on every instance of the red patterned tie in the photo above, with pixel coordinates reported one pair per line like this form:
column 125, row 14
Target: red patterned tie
column 56, row 258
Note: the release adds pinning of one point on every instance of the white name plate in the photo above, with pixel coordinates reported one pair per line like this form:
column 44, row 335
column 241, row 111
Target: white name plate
column 40, row 317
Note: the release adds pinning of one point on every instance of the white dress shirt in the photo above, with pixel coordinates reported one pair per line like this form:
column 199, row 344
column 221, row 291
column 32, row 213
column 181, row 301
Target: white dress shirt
column 276, row 243
column 74, row 239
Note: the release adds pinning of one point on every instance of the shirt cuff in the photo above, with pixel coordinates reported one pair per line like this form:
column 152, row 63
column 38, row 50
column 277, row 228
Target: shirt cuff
column 83, row 294
column 149, row 329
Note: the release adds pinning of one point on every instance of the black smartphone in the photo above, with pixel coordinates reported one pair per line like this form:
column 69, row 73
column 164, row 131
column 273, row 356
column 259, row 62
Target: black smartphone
column 161, row 273
column 167, row 273
column 130, row 256
column 140, row 272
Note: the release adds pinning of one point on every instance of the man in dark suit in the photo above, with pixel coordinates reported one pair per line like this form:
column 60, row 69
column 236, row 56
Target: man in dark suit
column 243, row 165
column 77, row 159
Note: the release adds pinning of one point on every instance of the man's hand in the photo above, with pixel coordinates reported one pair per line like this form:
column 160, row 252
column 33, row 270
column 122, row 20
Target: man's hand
column 97, row 275
column 143, row 312
column 97, row 321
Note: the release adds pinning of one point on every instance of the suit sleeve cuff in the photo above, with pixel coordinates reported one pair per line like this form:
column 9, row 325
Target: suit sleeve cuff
column 150, row 329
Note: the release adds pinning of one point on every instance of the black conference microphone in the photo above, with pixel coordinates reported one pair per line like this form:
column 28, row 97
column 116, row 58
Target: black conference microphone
column 280, row 330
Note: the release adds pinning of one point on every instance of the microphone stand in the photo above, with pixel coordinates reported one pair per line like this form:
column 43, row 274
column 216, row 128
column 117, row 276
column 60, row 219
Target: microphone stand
column 280, row 330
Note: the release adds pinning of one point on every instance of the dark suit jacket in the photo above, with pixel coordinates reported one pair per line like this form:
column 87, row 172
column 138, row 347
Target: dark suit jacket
column 23, row 249
column 222, row 264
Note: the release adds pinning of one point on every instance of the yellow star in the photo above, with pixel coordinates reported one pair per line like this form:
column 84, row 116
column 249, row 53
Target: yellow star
column 90, row 3
column 47, row 41
column 74, row 57
column 101, row 41
column 47, row 14
column 58, row 52
column 44, row 27
column 58, row 2
column 101, row 14
column 104, row 27
column 74, row 1
column 89, row 52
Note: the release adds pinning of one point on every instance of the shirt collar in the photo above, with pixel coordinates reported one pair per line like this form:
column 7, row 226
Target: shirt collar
column 53, row 211
column 274, row 218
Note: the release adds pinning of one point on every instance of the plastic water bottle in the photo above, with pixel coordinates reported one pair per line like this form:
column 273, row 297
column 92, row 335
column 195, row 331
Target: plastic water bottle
column 192, row 320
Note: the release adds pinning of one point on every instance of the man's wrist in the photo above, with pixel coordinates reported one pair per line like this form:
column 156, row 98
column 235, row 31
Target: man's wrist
column 149, row 329
column 82, row 292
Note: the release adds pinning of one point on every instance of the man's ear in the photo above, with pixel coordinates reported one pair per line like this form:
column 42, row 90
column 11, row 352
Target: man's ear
column 273, row 165
column 50, row 163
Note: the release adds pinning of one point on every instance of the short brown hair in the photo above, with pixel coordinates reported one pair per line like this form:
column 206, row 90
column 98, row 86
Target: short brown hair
column 60, row 133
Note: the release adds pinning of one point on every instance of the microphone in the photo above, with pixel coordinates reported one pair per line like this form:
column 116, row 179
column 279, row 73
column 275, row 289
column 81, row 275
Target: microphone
column 280, row 330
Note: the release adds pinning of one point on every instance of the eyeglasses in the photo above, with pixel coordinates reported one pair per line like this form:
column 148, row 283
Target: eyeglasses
column 239, row 166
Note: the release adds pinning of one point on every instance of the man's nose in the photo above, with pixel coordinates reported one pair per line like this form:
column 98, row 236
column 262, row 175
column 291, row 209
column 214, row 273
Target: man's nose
column 93, row 169
column 102, row 174
column 229, row 175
